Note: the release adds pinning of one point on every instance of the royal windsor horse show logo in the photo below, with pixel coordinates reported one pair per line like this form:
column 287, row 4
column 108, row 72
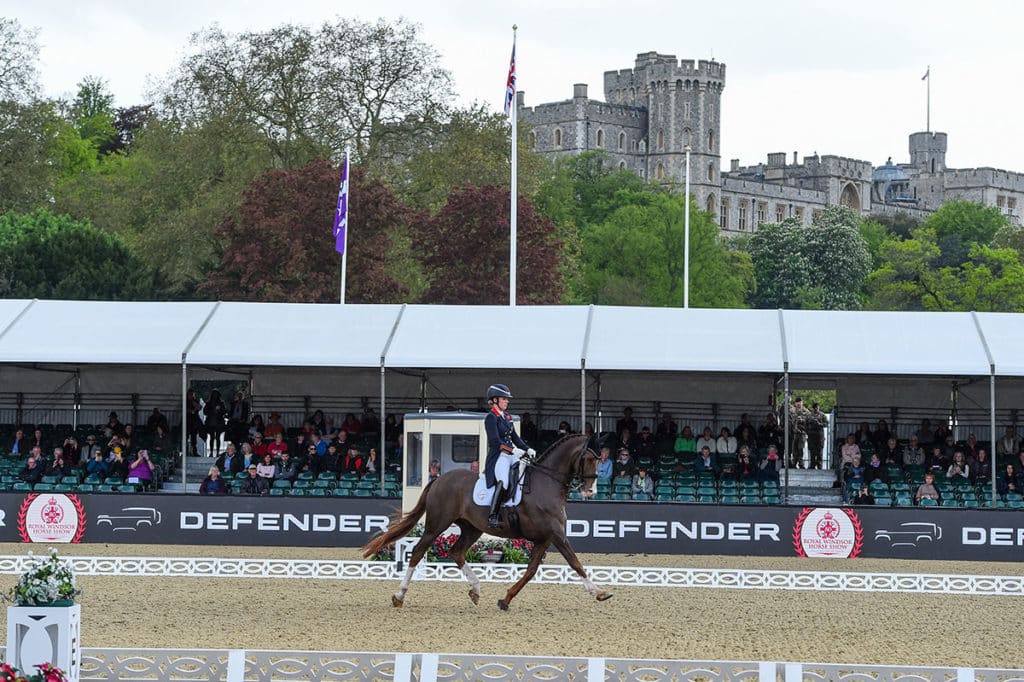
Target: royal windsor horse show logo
column 828, row 532
column 51, row 517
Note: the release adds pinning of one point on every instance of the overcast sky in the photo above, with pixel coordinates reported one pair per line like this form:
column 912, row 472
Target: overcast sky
column 806, row 76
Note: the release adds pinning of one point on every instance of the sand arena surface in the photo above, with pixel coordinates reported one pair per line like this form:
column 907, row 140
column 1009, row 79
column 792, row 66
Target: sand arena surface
column 641, row 622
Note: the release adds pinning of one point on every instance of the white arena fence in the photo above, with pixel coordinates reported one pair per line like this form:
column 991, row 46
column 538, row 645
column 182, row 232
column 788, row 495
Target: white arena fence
column 612, row 576
column 207, row 665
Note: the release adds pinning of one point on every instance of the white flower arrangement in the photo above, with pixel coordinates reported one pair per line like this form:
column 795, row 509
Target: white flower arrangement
column 48, row 580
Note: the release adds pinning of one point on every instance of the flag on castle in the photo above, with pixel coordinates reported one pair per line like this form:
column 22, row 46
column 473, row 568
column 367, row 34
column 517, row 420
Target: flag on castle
column 341, row 211
column 510, row 84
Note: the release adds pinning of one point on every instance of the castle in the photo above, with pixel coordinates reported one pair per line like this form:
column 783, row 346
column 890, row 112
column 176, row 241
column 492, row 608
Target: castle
column 661, row 106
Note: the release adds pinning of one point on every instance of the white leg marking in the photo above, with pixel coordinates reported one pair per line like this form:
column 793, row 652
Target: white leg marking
column 589, row 586
column 471, row 576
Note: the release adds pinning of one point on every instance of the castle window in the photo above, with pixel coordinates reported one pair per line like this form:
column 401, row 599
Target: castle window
column 686, row 110
column 780, row 212
column 622, row 165
column 600, row 139
column 723, row 214
column 741, row 221
column 711, row 172
column 679, row 84
column 533, row 139
column 711, row 140
column 659, row 172
column 710, row 205
column 762, row 213
column 632, row 95
column 1001, row 201
column 558, row 137
column 686, row 137
column 798, row 213
column 661, row 140
column 622, row 141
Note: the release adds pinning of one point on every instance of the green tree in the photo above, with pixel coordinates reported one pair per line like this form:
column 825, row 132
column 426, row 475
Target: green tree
column 19, row 55
column 48, row 256
column 635, row 257
column 93, row 115
column 31, row 157
column 821, row 266
column 311, row 92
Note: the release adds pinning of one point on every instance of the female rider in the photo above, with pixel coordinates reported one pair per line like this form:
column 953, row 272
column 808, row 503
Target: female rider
column 503, row 444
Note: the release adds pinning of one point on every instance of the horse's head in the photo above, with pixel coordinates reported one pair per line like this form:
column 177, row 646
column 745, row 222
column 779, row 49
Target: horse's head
column 586, row 470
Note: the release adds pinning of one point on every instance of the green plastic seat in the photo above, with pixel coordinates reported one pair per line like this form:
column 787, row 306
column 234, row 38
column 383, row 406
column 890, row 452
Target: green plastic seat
column 928, row 502
column 317, row 492
column 276, row 492
column 281, row 483
column 686, row 497
column 707, row 499
column 305, row 476
column 621, row 496
column 43, row 487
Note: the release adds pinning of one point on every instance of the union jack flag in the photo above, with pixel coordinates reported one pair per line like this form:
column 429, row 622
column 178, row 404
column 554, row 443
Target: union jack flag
column 510, row 85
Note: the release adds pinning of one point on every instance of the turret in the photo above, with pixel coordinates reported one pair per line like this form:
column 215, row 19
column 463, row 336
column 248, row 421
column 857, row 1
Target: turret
column 928, row 152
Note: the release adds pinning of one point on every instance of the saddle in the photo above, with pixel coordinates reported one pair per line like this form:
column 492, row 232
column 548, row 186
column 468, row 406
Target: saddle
column 511, row 495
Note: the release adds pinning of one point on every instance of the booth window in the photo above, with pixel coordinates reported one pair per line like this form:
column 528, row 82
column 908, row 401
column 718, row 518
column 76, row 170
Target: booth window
column 463, row 448
column 413, row 457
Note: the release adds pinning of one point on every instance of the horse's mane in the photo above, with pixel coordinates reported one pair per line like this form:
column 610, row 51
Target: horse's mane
column 557, row 443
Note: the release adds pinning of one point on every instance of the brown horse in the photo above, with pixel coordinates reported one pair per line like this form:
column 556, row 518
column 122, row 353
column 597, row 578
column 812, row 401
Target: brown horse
column 449, row 499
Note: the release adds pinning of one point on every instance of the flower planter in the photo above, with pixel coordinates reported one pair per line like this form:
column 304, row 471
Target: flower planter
column 491, row 557
column 45, row 634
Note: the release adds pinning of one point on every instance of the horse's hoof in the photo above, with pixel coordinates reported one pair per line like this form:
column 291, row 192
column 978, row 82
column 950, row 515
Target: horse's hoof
column 603, row 595
column 396, row 601
column 503, row 605
column 474, row 596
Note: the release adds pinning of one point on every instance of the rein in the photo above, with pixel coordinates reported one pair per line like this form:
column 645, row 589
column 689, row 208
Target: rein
column 555, row 474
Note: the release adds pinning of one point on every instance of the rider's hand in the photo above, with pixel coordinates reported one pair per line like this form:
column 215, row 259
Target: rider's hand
column 518, row 453
column 530, row 452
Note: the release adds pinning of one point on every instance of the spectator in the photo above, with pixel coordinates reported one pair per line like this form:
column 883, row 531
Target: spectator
column 881, row 435
column 474, row 466
column 114, row 426
column 666, row 427
column 115, row 442
column 230, row 462
column 435, row 468
column 352, row 425
column 864, row 496
column 32, row 472
column 864, row 436
column 317, row 422
column 238, row 419
column 927, row 490
column 266, row 468
column 343, row 441
column 816, row 424
column 646, row 448
column 924, row 434
column 259, row 447
column 527, row 428
column 626, row 440
column 746, row 469
column 371, row 467
column 942, row 432
column 959, row 469
column 937, row 461
column 706, row 460
column 256, row 428
column 623, row 464
column 128, row 437
column 117, row 467
column 726, row 443
column 72, row 451
column 875, row 471
column 643, row 486
column 370, row 421
column 330, row 431
column 310, row 462
column 605, row 465
column 981, row 467
column 564, row 429
column 1009, row 444
column 331, row 460
column 1020, row 460
column 286, row 470
column 707, row 440
column 97, row 466
column 685, row 442
column 769, row 432
column 890, row 452
column 913, row 454
column 58, row 465
column 213, row 484
column 772, row 465
column 157, row 418
column 320, row 444
column 37, row 440
column 855, row 472
column 247, row 456
column 277, row 446
column 216, row 412
column 160, row 442
column 141, row 470
column 254, row 484
column 392, row 429
column 626, row 423
column 588, row 429
column 1009, row 482
column 799, row 416
column 20, row 445
column 745, row 422
column 971, row 447
column 193, row 422
column 274, row 428
column 849, row 450
column 745, row 436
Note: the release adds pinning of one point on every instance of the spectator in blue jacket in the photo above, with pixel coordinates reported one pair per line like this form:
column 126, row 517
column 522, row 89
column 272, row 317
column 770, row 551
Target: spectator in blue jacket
column 605, row 465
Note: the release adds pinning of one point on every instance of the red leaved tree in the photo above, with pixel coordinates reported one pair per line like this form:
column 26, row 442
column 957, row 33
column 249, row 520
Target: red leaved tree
column 465, row 250
column 279, row 245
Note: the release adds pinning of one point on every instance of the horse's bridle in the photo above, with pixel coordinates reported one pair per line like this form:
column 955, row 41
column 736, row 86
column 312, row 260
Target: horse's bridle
column 577, row 472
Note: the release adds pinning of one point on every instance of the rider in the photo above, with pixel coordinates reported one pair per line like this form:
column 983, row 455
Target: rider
column 502, row 441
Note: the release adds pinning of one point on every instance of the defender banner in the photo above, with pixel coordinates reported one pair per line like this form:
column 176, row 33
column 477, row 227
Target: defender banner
column 839, row 532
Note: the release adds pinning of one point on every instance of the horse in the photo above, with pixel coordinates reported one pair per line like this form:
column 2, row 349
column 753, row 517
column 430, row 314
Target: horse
column 448, row 499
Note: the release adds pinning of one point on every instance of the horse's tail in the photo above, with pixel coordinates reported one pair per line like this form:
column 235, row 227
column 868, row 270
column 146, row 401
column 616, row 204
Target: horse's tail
column 399, row 527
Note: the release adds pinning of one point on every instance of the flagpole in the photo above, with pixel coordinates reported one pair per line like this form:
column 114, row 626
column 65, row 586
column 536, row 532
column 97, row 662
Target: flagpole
column 928, row 107
column 512, row 208
column 686, row 235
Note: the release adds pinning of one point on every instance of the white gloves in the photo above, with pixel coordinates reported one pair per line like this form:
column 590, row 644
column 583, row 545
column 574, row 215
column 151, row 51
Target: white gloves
column 518, row 453
column 530, row 452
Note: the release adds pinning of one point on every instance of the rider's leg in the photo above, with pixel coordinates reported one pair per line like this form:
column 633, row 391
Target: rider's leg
column 492, row 519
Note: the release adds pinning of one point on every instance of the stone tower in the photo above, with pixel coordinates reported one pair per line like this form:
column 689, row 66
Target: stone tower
column 683, row 103
column 928, row 152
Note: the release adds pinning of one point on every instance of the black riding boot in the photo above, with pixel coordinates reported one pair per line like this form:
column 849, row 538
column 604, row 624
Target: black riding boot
column 492, row 520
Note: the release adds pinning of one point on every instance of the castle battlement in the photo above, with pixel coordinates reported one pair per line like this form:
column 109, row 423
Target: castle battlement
column 652, row 66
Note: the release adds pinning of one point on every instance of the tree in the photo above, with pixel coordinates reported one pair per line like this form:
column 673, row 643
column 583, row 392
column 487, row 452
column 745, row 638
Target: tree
column 30, row 157
column 19, row 54
column 278, row 245
column 92, row 114
column 635, row 257
column 311, row 92
column 48, row 256
column 821, row 266
column 465, row 249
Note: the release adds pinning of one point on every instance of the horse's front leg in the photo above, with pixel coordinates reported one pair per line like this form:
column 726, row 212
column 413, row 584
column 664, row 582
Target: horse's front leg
column 536, row 556
column 562, row 545
column 467, row 536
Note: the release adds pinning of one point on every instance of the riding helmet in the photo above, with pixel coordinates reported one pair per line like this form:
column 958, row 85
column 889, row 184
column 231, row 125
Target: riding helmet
column 498, row 391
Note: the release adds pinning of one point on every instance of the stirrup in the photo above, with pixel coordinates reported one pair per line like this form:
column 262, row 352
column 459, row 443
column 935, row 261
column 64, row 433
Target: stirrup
column 494, row 521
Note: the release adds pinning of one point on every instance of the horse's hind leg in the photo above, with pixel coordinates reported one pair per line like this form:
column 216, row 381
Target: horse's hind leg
column 562, row 545
column 430, row 532
column 468, row 534
column 536, row 556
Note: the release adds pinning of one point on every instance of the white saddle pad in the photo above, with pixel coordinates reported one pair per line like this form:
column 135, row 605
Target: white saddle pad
column 482, row 495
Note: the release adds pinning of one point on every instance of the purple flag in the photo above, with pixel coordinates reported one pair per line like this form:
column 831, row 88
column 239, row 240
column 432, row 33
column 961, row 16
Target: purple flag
column 341, row 213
